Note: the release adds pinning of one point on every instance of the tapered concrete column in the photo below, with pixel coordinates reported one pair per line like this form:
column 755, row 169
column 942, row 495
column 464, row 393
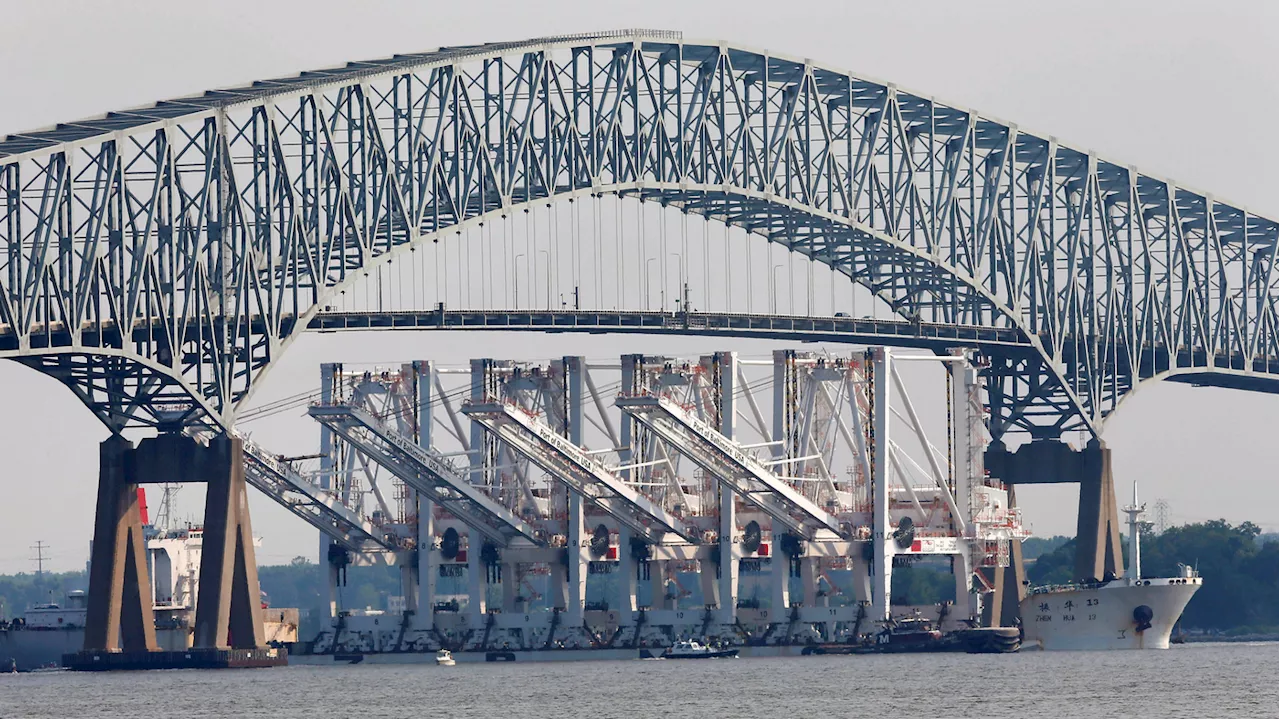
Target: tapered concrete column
column 230, row 601
column 1097, row 526
column 119, row 611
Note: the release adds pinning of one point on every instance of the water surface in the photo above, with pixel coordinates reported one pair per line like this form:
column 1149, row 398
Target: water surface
column 1196, row 680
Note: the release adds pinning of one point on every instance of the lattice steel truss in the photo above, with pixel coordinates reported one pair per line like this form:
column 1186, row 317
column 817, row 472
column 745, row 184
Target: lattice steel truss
column 186, row 243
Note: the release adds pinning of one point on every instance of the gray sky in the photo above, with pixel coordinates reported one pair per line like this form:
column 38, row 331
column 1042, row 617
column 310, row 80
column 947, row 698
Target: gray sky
column 1187, row 90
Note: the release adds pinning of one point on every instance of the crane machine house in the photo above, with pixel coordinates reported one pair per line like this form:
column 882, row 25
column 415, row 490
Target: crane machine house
column 687, row 501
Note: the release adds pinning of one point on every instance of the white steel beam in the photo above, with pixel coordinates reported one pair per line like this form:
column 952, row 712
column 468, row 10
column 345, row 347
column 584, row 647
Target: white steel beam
column 422, row 469
column 735, row 468
column 584, row 474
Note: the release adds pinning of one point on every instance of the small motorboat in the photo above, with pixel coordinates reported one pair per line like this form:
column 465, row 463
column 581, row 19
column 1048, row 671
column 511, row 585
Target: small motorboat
column 697, row 650
column 444, row 658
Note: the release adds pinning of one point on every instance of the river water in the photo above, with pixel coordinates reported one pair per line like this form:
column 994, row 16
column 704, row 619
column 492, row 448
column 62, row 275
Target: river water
column 1238, row 681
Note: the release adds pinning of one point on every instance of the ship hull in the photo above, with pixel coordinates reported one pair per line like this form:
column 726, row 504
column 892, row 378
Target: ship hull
column 31, row 649
column 1106, row 617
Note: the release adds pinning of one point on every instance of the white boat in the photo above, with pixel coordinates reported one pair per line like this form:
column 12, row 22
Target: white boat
column 697, row 650
column 1131, row 612
column 444, row 658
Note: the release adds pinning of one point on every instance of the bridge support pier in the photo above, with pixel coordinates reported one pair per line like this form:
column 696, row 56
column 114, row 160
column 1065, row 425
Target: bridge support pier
column 1098, row 552
column 228, row 605
column 229, row 601
column 120, row 612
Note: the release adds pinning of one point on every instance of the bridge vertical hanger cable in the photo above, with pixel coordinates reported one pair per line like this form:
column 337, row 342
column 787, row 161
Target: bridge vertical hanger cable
column 598, row 244
column 791, row 276
column 530, row 233
column 553, row 257
column 810, row 263
column 641, row 252
column 575, row 254
column 662, row 258
column 706, row 261
column 728, row 275
column 684, row 257
column 486, row 264
column 619, row 285
column 507, row 261
column 831, row 282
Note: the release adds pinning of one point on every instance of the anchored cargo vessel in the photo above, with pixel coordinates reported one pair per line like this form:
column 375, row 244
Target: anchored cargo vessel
column 1130, row 612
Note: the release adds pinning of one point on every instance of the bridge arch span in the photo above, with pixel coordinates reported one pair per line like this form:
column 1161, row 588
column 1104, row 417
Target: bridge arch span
column 219, row 223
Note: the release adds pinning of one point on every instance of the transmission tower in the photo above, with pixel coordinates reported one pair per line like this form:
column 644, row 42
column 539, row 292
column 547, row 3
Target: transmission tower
column 1161, row 515
column 39, row 548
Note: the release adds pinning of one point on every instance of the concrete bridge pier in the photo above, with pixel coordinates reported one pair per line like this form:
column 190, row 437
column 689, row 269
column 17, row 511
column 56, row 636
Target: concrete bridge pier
column 229, row 605
column 1098, row 551
column 120, row 613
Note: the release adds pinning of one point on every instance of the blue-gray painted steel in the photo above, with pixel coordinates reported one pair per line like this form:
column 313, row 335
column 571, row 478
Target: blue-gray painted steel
column 158, row 260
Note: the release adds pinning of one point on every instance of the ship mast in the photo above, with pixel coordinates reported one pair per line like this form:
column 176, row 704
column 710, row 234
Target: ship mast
column 1135, row 546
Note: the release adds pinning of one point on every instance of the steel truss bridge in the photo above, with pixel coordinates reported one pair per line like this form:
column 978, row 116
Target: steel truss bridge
column 158, row 260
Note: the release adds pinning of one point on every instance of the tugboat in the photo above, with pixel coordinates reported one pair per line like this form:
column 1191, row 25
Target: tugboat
column 697, row 650
column 1129, row 612
column 910, row 634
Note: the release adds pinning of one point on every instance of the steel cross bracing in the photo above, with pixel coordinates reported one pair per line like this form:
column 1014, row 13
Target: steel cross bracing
column 741, row 472
column 572, row 465
column 319, row 507
column 432, row 475
column 221, row 223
